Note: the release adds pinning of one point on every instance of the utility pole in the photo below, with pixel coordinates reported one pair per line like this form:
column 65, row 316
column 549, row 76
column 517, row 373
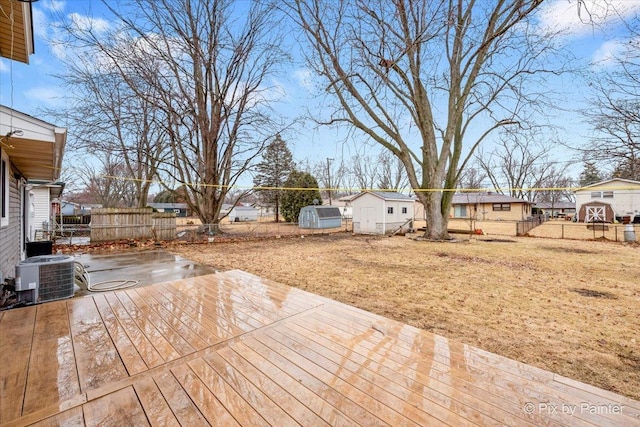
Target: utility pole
column 329, row 178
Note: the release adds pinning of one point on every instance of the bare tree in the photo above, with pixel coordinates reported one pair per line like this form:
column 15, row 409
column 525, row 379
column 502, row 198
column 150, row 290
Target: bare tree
column 556, row 188
column 472, row 178
column 427, row 79
column 519, row 164
column 107, row 182
column 331, row 173
column 392, row 175
column 206, row 66
column 365, row 171
column 615, row 115
column 106, row 119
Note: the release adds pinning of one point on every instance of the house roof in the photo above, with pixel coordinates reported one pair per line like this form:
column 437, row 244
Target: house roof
column 16, row 35
column 168, row 205
column 37, row 149
column 633, row 184
column 556, row 205
column 386, row 195
column 484, row 197
column 347, row 198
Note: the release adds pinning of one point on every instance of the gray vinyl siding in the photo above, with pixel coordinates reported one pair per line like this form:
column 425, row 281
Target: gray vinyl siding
column 10, row 234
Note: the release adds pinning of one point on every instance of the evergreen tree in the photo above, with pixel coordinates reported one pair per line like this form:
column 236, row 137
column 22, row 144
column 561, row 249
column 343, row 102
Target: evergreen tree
column 276, row 165
column 295, row 198
column 590, row 174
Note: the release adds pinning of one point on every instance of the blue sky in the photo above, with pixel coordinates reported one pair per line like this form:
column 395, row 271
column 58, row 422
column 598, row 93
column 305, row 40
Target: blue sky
column 29, row 88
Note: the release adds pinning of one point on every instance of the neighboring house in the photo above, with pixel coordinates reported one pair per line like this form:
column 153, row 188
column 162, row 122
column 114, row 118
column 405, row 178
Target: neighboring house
column 30, row 149
column 379, row 212
column 180, row 209
column 556, row 209
column 608, row 201
column 45, row 205
column 265, row 210
column 344, row 204
column 489, row 206
column 243, row 213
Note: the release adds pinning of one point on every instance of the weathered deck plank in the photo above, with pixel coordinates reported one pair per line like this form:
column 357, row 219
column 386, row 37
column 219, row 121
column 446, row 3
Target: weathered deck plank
column 97, row 359
column 121, row 408
column 16, row 335
column 52, row 376
column 155, row 406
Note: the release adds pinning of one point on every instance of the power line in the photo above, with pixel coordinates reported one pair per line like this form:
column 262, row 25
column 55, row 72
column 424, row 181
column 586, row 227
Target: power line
column 399, row 190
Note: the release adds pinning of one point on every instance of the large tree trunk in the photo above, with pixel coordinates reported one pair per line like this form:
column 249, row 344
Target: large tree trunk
column 437, row 223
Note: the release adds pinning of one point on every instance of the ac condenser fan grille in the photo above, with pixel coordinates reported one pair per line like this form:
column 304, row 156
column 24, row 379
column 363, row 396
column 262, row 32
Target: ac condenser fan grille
column 56, row 281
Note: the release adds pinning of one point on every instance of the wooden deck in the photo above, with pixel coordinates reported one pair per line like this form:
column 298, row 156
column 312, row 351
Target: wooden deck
column 233, row 349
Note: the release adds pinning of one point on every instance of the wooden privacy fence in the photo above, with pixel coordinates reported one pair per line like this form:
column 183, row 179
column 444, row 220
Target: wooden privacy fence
column 132, row 223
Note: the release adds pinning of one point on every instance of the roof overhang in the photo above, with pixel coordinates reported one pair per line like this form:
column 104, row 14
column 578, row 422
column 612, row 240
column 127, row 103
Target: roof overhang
column 34, row 147
column 16, row 30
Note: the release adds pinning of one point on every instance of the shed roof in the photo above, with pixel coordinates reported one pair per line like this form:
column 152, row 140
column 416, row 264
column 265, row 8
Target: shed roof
column 386, row 195
column 326, row 211
column 484, row 197
column 556, row 205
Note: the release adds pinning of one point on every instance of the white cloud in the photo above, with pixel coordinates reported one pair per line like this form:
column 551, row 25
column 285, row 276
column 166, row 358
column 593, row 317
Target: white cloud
column 4, row 68
column 82, row 22
column 40, row 23
column 55, row 5
column 607, row 52
column 304, row 78
column 580, row 18
column 46, row 95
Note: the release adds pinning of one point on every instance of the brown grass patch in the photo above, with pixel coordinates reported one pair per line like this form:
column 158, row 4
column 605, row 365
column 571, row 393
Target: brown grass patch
column 518, row 298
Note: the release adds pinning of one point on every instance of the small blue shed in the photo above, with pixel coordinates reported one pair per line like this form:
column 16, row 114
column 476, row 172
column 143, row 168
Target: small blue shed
column 320, row 217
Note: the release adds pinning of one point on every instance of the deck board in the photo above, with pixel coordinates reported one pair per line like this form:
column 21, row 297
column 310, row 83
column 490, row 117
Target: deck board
column 155, row 406
column 121, row 408
column 52, row 373
column 423, row 390
column 97, row 360
column 235, row 349
column 16, row 335
column 130, row 356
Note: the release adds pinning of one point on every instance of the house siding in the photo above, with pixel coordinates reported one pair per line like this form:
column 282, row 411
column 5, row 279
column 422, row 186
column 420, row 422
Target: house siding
column 10, row 251
column 42, row 211
column 485, row 212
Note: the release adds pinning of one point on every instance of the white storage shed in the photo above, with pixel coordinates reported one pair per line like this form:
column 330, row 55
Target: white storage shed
column 379, row 212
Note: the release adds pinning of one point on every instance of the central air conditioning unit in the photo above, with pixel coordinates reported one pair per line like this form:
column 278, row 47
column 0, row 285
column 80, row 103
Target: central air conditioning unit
column 45, row 278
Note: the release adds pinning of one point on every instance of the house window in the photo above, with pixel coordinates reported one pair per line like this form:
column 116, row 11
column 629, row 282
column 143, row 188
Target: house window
column 596, row 194
column 404, row 210
column 4, row 191
column 390, row 210
column 502, row 206
column 607, row 194
column 460, row 211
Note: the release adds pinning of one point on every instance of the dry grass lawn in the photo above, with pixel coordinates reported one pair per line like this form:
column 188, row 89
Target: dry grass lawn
column 572, row 307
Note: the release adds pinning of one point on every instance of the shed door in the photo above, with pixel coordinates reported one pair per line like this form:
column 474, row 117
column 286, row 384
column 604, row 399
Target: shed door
column 367, row 220
column 595, row 214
